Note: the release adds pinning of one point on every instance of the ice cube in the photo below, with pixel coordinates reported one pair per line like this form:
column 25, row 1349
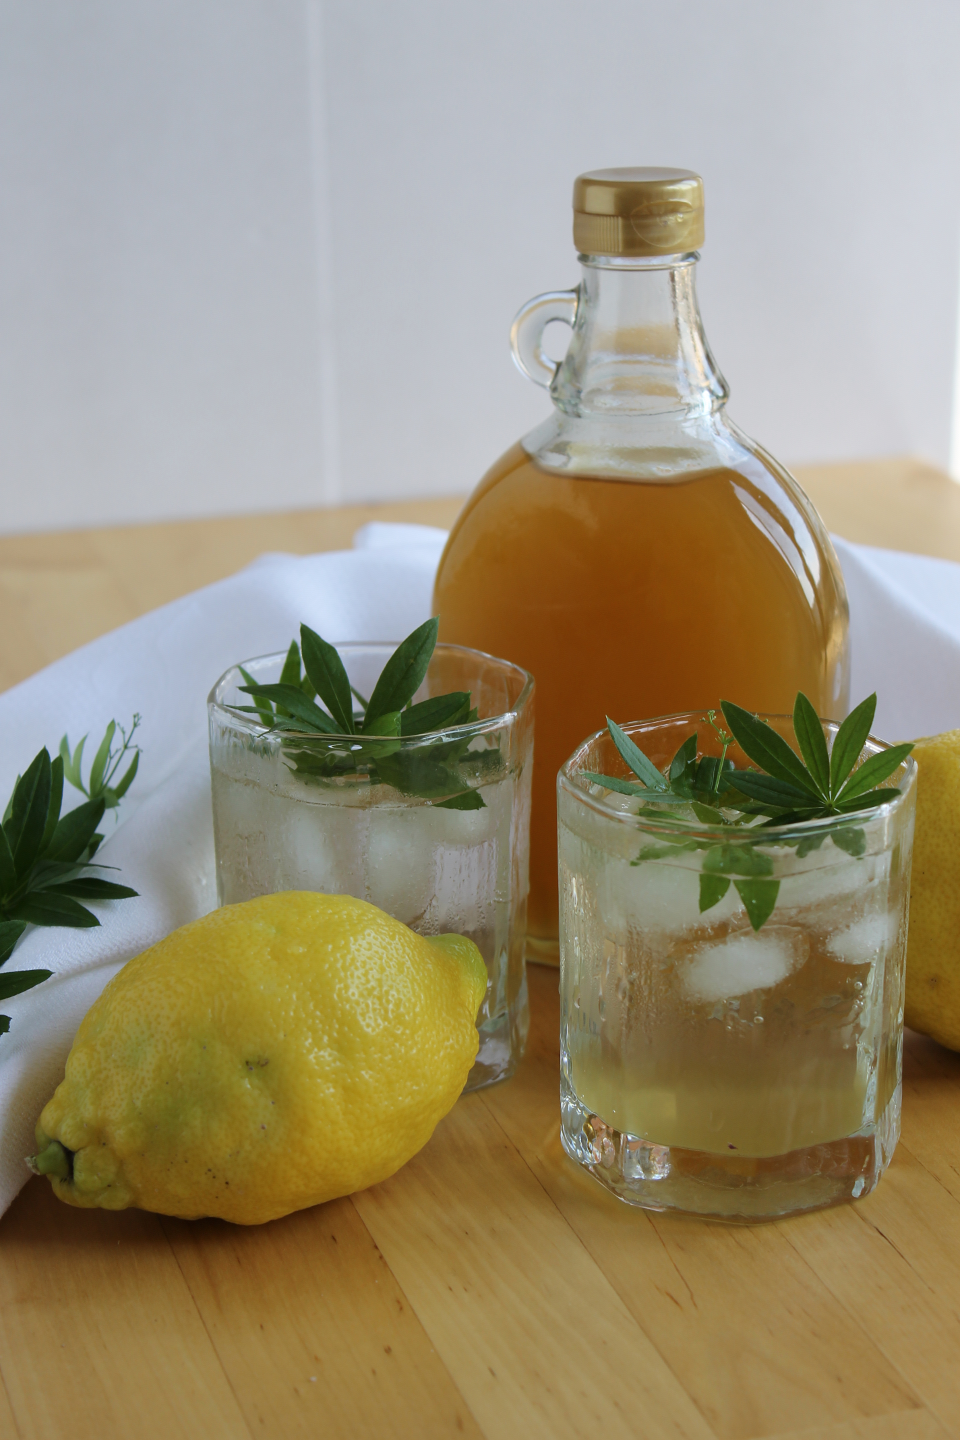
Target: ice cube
column 827, row 876
column 744, row 961
column 318, row 846
column 656, row 896
column 400, row 860
column 469, row 827
column 866, row 939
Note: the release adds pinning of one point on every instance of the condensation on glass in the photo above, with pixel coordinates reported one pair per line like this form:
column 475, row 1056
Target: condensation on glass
column 437, row 870
column 706, row 1066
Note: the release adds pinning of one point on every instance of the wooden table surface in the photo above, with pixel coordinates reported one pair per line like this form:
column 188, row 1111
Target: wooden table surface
column 490, row 1288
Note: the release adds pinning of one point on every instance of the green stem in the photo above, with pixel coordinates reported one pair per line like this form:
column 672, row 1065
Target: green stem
column 55, row 1160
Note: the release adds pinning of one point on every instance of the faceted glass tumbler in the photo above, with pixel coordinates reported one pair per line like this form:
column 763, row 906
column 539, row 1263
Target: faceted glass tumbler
column 707, row 1066
column 284, row 819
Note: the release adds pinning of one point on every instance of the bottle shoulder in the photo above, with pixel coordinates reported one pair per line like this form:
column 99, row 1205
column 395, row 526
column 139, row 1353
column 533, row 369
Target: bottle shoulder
column 562, row 451
column 661, row 448
column 661, row 497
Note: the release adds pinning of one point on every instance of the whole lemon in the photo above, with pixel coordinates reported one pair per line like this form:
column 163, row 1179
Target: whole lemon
column 273, row 1055
column 933, row 937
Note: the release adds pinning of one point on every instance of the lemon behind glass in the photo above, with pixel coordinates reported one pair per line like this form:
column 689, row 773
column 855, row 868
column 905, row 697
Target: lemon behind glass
column 272, row 1055
column 933, row 937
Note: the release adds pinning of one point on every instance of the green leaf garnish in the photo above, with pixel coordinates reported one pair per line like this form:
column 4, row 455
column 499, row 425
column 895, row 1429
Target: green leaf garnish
column 851, row 805
column 291, row 703
column 404, row 672
column 737, row 860
column 388, row 724
column 707, row 814
column 712, row 890
column 467, row 800
column 872, row 771
column 788, row 789
column 759, row 899
column 323, row 745
column 683, row 758
column 328, row 677
column 673, row 844
column 770, row 791
column 850, row 740
column 762, row 743
column 290, row 674
column 43, row 855
column 639, row 792
column 812, row 742
column 853, row 841
column 437, row 713
column 261, row 705
column 635, row 758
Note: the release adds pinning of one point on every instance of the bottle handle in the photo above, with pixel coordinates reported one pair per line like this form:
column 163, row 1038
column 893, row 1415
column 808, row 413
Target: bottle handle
column 526, row 333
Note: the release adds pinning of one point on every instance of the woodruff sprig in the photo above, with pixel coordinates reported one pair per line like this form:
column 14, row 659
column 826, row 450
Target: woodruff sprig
column 100, row 785
column 787, row 789
column 43, row 854
column 374, row 732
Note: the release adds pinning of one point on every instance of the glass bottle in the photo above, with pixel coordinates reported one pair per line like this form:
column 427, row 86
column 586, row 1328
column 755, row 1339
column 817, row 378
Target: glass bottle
column 637, row 552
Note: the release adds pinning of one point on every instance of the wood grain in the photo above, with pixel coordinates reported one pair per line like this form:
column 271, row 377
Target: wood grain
column 930, row 1108
column 490, row 1288
column 312, row 1330
column 99, row 1334
column 534, row 1334
column 755, row 1337
column 8, row 1425
column 894, row 1264
column 915, row 1425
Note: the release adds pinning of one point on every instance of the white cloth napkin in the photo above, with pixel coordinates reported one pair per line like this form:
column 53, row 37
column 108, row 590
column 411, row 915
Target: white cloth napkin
column 905, row 632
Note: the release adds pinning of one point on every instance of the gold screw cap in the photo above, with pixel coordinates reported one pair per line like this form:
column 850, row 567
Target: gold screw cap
column 637, row 211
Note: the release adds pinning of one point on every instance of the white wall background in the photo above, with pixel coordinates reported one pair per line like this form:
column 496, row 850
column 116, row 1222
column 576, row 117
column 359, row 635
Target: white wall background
column 262, row 254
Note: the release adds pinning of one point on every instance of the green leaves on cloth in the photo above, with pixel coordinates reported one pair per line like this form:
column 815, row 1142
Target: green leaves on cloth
column 43, row 854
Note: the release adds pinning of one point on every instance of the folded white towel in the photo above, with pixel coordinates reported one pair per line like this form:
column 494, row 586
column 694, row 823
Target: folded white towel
column 905, row 629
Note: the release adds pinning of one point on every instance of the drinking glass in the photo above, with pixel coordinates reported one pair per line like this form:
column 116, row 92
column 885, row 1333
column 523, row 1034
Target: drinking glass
column 286, row 817
column 707, row 1066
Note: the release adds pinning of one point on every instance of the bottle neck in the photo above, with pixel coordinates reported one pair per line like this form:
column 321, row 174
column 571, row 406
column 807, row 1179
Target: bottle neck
column 638, row 346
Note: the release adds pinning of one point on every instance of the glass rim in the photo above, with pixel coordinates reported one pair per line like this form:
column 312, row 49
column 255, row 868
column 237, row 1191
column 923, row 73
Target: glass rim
column 569, row 780
column 471, row 728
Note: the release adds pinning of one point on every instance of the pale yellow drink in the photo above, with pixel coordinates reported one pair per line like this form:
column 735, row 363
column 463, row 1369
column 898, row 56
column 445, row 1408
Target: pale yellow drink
column 706, row 1065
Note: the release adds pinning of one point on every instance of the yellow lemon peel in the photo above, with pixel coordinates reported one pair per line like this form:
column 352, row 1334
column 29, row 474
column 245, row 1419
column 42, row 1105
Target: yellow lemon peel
column 272, row 1055
column 933, row 938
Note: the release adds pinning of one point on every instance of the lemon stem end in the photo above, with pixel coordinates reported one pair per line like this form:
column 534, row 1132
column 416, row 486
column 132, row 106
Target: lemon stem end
column 55, row 1160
